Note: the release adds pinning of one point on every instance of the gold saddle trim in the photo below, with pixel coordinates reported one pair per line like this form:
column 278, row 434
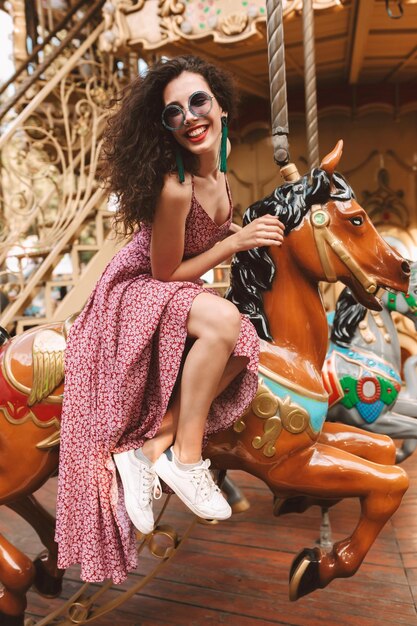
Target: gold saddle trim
column 45, row 373
column 48, row 364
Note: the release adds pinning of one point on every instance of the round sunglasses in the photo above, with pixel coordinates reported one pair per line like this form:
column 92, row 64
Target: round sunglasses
column 199, row 105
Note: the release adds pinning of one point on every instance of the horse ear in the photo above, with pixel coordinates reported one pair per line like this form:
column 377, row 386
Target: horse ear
column 330, row 162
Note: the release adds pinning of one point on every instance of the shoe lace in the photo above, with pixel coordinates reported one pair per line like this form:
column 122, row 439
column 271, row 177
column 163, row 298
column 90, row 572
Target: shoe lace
column 151, row 485
column 202, row 478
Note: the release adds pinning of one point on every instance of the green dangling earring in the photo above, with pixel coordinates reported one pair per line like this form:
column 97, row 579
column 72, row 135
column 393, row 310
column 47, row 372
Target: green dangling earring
column 223, row 145
column 180, row 165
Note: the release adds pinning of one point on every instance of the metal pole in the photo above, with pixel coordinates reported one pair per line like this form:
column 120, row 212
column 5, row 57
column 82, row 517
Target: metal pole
column 277, row 81
column 310, row 85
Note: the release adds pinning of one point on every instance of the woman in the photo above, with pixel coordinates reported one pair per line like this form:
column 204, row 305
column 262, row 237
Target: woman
column 156, row 359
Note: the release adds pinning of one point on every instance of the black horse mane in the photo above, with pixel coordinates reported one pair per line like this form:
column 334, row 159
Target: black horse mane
column 253, row 271
column 347, row 316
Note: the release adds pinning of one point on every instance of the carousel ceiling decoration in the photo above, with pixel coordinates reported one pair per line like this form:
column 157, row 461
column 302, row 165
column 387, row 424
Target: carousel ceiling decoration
column 356, row 43
column 385, row 204
column 155, row 23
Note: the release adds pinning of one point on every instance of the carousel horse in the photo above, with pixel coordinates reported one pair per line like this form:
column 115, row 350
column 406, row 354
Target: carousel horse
column 281, row 437
column 362, row 370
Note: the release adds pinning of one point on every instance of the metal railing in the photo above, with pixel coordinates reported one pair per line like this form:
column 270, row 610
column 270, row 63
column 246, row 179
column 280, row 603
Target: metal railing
column 49, row 154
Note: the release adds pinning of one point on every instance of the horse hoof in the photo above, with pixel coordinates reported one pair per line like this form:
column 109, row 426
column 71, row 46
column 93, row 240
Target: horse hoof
column 47, row 585
column 240, row 505
column 304, row 574
column 233, row 494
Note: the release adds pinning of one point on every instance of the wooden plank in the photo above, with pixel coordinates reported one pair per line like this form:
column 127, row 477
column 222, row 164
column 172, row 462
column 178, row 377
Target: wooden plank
column 236, row 572
column 359, row 30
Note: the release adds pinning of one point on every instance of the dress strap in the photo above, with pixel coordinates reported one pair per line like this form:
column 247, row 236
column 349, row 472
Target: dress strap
column 229, row 193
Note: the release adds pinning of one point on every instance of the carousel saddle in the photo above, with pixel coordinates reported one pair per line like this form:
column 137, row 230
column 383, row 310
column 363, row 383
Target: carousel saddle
column 33, row 362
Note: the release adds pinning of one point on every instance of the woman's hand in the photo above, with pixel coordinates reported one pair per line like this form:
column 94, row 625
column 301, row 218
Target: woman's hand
column 264, row 231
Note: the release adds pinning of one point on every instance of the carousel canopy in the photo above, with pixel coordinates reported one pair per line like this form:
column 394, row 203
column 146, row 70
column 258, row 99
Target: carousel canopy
column 356, row 41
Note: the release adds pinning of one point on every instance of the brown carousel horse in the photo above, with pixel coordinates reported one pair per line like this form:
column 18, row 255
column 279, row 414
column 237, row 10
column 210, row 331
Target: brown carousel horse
column 281, row 437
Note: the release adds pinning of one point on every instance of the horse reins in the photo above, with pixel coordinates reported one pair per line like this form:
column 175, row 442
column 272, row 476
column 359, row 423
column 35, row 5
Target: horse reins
column 320, row 219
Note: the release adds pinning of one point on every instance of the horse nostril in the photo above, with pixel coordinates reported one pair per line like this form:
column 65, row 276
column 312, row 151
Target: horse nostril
column 405, row 266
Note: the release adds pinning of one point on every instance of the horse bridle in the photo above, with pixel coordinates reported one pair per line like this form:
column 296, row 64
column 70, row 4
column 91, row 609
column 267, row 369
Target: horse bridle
column 320, row 219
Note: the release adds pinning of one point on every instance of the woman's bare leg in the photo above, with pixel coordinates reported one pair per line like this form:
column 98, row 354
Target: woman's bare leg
column 208, row 370
column 154, row 447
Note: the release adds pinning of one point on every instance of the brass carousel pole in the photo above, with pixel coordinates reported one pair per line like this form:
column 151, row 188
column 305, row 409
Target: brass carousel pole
column 310, row 84
column 278, row 89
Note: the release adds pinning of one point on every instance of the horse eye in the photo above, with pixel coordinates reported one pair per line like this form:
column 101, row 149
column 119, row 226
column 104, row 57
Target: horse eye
column 356, row 221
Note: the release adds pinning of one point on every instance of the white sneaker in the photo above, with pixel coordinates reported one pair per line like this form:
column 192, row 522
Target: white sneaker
column 140, row 483
column 195, row 487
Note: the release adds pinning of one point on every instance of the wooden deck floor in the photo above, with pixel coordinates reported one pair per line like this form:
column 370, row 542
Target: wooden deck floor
column 236, row 573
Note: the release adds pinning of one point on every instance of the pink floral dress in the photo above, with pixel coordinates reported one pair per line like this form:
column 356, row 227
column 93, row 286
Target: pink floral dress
column 121, row 363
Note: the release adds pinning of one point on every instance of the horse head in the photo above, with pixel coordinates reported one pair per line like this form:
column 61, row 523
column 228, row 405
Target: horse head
column 328, row 235
column 352, row 250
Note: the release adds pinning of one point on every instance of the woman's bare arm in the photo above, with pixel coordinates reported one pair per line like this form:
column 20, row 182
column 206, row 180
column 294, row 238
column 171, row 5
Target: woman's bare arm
column 168, row 230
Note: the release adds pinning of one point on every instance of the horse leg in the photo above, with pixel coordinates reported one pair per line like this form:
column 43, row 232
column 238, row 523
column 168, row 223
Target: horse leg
column 16, row 576
column 406, row 406
column 234, row 496
column 375, row 447
column 48, row 578
column 400, row 427
column 407, row 448
column 370, row 446
column 331, row 473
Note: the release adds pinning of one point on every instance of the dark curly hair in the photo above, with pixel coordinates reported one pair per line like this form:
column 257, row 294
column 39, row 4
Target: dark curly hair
column 253, row 271
column 138, row 151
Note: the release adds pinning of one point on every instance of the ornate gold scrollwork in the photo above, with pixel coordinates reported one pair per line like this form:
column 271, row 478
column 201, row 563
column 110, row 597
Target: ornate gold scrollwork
column 295, row 419
column 163, row 541
column 51, row 441
column 48, row 364
column 272, row 430
column 240, row 425
column 234, row 24
column 265, row 404
column 278, row 413
column 170, row 7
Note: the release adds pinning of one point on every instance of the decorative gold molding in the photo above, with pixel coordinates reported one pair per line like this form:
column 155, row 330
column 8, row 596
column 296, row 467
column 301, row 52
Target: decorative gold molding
column 50, row 442
column 27, row 391
column 234, row 24
column 278, row 414
column 152, row 25
column 48, row 364
column 8, row 408
column 272, row 430
column 170, row 7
